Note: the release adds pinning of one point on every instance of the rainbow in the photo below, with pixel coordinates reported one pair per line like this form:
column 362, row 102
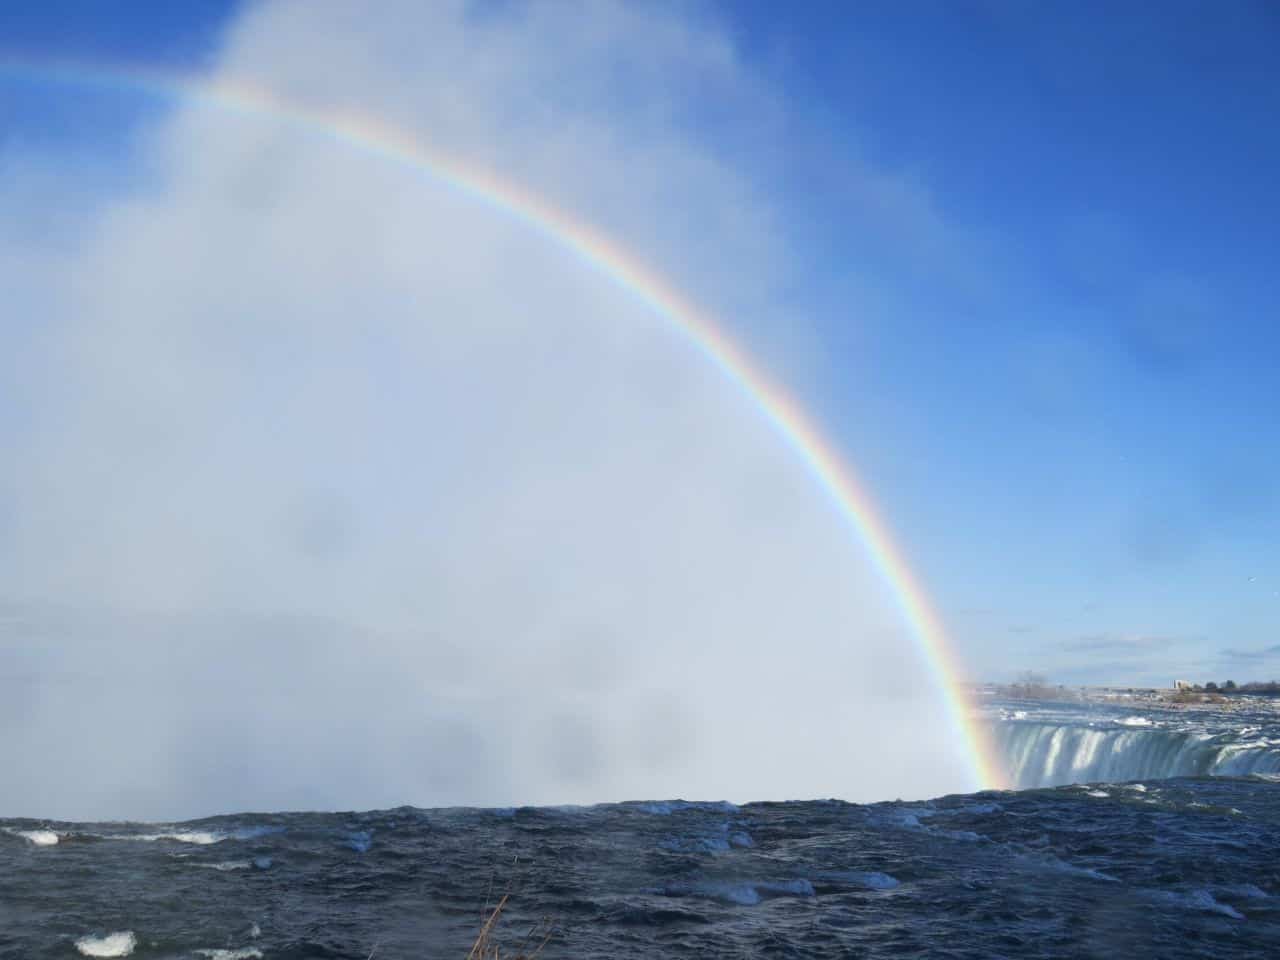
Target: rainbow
column 377, row 139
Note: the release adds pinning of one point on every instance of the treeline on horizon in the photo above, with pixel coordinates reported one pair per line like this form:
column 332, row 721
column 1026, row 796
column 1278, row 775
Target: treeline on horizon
column 1035, row 686
column 1269, row 689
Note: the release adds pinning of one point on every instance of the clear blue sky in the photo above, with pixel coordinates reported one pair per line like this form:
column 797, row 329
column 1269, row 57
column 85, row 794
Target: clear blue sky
column 1082, row 419
column 1067, row 389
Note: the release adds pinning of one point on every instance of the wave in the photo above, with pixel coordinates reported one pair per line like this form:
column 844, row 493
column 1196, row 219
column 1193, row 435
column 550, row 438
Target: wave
column 1050, row 754
column 1195, row 900
column 198, row 837
column 871, row 880
column 360, row 841
column 744, row 894
column 41, row 838
column 664, row 808
column 194, row 836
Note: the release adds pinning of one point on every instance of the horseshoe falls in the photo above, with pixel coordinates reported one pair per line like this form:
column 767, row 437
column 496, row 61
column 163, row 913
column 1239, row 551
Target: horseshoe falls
column 1046, row 746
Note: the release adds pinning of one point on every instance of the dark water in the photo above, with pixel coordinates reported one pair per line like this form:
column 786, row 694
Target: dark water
column 1167, row 869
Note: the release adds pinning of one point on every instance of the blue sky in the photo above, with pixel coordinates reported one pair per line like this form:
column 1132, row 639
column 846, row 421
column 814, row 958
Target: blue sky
column 1050, row 341
column 1079, row 416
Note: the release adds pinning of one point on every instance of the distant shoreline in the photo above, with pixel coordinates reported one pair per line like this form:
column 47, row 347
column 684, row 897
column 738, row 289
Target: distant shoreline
column 1245, row 695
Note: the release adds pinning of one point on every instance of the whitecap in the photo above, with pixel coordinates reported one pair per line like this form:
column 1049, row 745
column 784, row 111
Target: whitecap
column 41, row 838
column 695, row 844
column 1247, row 891
column 1047, row 861
column 879, row 881
column 360, row 841
column 119, row 944
column 225, row 866
column 903, row 818
column 198, row 837
column 743, row 894
column 244, row 953
column 873, row 880
column 665, row 807
column 1197, row 900
column 969, row 809
column 792, row 888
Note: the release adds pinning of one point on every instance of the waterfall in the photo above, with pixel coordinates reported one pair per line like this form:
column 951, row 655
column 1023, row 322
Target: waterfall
column 1044, row 754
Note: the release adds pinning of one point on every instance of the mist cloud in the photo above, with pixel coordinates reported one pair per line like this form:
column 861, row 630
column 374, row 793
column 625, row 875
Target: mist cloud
column 334, row 488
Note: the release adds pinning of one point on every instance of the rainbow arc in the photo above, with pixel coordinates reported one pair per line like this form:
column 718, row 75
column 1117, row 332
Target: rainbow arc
column 389, row 144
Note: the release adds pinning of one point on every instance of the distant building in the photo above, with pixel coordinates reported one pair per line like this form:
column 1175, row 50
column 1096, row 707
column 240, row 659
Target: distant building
column 1182, row 685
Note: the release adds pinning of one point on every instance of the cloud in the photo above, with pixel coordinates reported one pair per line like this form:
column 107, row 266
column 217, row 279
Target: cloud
column 1116, row 642
column 337, row 488
column 1263, row 653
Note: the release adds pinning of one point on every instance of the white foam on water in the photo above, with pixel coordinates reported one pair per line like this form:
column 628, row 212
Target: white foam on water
column 743, row 894
column 1099, row 793
column 119, row 944
column 1247, row 891
column 902, row 818
column 746, row 894
column 198, row 837
column 879, row 881
column 244, row 953
column 41, row 838
column 1135, row 722
column 225, row 866
column 1197, row 900
column 658, row 808
column 665, row 807
column 969, row 809
column 360, row 841
column 788, row 888
column 696, row 844
column 1047, row 861
column 255, row 931
column 873, row 880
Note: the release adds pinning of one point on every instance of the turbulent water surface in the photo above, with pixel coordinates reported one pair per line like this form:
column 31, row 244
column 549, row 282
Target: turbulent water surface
column 1184, row 867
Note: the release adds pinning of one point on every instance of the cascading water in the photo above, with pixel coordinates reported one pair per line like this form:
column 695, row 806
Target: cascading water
column 1051, row 750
